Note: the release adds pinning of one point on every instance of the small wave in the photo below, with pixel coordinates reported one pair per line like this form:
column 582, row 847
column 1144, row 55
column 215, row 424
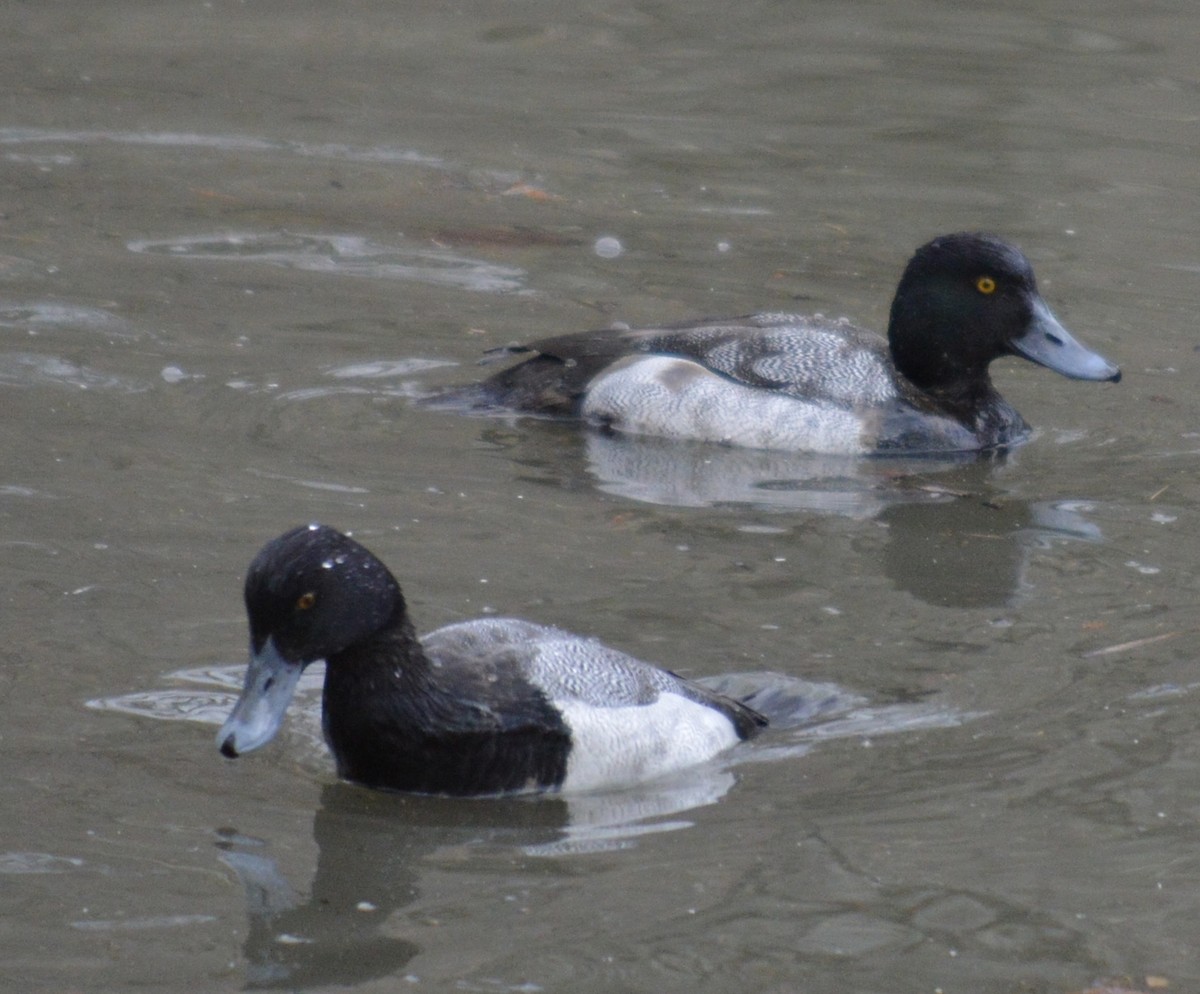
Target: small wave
column 33, row 317
column 37, row 862
column 386, row 367
column 21, row 369
column 222, row 143
column 341, row 255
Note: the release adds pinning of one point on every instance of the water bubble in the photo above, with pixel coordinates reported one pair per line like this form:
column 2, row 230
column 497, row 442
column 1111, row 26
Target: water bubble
column 608, row 247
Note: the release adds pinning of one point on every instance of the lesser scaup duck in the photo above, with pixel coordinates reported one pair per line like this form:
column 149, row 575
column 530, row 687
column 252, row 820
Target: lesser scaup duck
column 480, row 707
column 800, row 383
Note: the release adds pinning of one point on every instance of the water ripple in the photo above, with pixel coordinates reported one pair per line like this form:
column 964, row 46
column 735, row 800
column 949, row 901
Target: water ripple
column 39, row 315
column 222, row 143
column 386, row 367
column 37, row 862
column 141, row 924
column 20, row 369
column 210, row 707
column 342, row 255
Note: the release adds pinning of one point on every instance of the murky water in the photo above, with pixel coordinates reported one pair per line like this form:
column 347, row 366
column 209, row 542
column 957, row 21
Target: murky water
column 237, row 238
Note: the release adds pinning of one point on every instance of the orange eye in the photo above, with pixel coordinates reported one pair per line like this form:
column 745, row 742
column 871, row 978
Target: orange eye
column 305, row 601
column 985, row 285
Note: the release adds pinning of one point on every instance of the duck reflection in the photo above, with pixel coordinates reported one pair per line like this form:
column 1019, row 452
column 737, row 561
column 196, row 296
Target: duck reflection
column 952, row 539
column 974, row 552
column 656, row 471
column 949, row 543
column 373, row 846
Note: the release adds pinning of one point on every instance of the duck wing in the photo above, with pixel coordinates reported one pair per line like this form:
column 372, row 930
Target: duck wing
column 810, row 358
column 505, row 654
column 807, row 357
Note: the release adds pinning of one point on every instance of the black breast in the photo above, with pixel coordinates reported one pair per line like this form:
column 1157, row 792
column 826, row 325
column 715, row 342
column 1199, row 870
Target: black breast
column 465, row 733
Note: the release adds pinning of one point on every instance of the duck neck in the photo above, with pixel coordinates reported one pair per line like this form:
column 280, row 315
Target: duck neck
column 374, row 685
column 960, row 379
column 961, row 395
column 977, row 405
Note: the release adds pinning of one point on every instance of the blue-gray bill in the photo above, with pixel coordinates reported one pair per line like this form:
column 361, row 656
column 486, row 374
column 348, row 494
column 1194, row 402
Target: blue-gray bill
column 1049, row 344
column 270, row 682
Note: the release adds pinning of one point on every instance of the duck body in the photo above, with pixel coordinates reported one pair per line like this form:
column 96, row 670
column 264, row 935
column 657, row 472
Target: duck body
column 806, row 383
column 481, row 707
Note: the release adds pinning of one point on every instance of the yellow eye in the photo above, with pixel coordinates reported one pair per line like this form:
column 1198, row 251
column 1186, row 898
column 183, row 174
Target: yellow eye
column 305, row 601
column 985, row 285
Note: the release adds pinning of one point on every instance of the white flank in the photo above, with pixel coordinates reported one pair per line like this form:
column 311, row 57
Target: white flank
column 619, row 746
column 676, row 398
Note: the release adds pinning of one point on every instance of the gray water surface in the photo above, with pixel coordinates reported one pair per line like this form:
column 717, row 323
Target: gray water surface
column 236, row 240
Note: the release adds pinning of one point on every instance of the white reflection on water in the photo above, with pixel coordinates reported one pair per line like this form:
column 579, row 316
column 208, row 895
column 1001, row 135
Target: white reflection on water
column 37, row 862
column 140, row 924
column 341, row 255
column 223, row 143
column 23, row 369
column 323, row 485
column 379, row 368
column 39, row 315
column 370, row 371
